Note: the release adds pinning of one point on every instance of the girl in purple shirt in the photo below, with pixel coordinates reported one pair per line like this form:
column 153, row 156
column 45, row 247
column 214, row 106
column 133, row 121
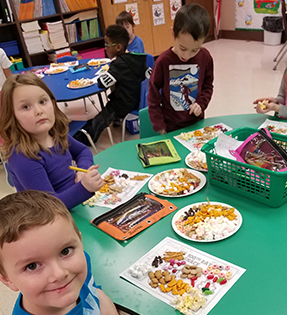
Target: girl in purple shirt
column 37, row 146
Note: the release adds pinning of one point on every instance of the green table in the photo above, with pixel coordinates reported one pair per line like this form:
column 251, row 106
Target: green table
column 259, row 245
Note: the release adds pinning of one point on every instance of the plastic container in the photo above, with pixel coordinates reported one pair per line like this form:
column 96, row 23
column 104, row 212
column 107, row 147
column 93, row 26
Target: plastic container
column 273, row 28
column 11, row 48
column 272, row 39
column 250, row 181
column 132, row 124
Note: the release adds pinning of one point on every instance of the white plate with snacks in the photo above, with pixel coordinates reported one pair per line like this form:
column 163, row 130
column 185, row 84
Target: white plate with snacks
column 98, row 62
column 56, row 70
column 64, row 64
column 223, row 222
column 81, row 83
column 196, row 160
column 177, row 182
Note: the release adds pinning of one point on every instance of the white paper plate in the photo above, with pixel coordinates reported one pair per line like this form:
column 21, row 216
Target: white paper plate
column 195, row 168
column 58, row 69
column 197, row 174
column 179, row 213
column 80, row 87
column 98, row 62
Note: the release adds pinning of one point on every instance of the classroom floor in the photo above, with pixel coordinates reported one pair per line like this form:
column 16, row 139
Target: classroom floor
column 243, row 71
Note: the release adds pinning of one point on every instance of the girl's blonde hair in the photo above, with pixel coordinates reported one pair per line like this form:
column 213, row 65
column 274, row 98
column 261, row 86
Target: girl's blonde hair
column 12, row 133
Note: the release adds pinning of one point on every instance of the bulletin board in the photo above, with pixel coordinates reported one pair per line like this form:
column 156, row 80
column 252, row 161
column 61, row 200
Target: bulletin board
column 249, row 14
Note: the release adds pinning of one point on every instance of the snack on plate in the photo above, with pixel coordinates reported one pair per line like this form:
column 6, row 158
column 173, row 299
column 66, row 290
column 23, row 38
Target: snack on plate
column 77, row 84
column 56, row 70
column 105, row 68
column 206, row 134
column 197, row 160
column 98, row 62
column 174, row 182
column 207, row 221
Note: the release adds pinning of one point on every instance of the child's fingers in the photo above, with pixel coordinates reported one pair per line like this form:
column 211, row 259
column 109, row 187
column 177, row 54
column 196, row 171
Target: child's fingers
column 93, row 167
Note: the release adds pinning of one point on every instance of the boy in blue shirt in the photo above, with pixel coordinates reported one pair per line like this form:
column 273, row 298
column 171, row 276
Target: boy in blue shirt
column 135, row 44
column 41, row 255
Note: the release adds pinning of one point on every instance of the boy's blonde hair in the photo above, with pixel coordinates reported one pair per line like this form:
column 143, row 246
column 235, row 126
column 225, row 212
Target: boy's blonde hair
column 24, row 210
column 12, row 133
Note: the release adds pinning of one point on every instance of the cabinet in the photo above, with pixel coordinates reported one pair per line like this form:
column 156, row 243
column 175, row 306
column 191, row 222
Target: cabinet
column 12, row 31
column 156, row 38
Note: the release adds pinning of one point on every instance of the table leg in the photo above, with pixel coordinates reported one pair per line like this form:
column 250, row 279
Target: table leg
column 85, row 105
column 105, row 117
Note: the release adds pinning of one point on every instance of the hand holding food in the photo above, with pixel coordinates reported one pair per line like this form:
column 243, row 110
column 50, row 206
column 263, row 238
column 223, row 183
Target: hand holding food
column 92, row 180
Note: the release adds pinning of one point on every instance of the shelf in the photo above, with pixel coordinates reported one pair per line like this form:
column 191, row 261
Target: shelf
column 42, row 52
column 41, row 18
column 87, row 41
column 78, row 11
column 7, row 24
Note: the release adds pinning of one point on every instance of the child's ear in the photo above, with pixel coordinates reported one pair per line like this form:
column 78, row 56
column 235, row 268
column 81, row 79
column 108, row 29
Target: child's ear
column 8, row 283
column 119, row 48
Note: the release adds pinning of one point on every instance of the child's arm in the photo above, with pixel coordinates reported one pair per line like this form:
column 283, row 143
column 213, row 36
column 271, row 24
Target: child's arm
column 107, row 306
column 204, row 97
column 155, row 110
column 32, row 174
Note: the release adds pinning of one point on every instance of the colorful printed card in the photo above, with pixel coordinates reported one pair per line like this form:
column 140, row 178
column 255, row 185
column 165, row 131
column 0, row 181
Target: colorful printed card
column 208, row 277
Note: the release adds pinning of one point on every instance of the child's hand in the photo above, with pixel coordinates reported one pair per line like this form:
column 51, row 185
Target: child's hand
column 268, row 107
column 162, row 131
column 195, row 109
column 92, row 180
column 78, row 177
column 269, row 99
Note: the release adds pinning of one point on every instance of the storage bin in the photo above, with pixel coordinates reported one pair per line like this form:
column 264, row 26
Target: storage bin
column 262, row 185
column 11, row 48
column 132, row 124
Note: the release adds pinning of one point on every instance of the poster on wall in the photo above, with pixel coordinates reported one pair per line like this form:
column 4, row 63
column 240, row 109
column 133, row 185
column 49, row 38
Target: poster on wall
column 158, row 14
column 174, row 7
column 249, row 14
column 134, row 11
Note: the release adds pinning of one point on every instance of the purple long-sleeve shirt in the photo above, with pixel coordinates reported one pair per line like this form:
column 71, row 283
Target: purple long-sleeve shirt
column 51, row 173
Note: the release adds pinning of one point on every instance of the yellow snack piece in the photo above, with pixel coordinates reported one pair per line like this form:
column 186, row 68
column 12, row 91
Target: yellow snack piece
column 172, row 283
column 162, row 287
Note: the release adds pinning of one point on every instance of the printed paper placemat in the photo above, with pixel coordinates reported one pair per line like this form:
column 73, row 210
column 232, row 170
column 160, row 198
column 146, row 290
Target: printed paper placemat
column 119, row 187
column 194, row 140
column 207, row 277
column 275, row 126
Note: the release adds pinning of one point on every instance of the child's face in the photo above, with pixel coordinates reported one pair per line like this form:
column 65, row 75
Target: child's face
column 130, row 29
column 186, row 47
column 112, row 49
column 33, row 110
column 47, row 265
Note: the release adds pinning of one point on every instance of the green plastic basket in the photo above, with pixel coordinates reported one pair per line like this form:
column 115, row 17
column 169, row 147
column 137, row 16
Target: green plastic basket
column 262, row 185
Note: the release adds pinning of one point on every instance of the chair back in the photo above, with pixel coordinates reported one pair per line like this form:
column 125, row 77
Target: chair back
column 144, row 94
column 66, row 59
column 75, row 126
column 146, row 129
column 149, row 60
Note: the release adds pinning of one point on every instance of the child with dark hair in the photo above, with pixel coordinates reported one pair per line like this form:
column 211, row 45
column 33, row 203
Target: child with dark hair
column 124, row 77
column 181, row 84
column 125, row 19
